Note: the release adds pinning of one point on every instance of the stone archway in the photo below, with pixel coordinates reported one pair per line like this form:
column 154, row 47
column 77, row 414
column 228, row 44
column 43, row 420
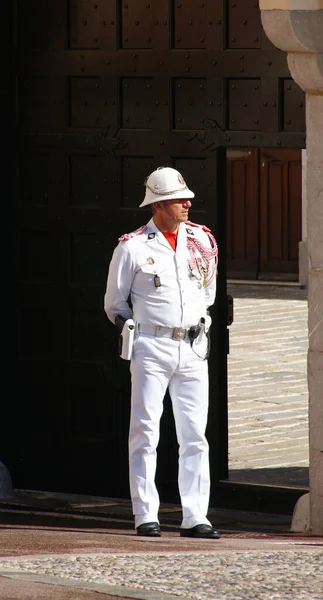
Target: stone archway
column 295, row 26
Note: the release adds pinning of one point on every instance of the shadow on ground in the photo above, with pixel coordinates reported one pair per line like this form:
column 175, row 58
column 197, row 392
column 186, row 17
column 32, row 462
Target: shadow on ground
column 283, row 476
column 272, row 292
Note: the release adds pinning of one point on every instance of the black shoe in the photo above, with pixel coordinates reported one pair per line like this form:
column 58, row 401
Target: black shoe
column 149, row 529
column 200, row 531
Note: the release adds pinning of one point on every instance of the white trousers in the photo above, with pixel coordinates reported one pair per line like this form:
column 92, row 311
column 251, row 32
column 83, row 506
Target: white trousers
column 158, row 363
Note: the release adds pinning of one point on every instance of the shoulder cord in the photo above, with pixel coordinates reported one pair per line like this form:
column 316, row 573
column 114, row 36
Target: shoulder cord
column 208, row 254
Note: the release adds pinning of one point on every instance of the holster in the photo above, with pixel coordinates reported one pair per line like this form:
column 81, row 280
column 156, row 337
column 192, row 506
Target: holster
column 126, row 338
column 203, row 326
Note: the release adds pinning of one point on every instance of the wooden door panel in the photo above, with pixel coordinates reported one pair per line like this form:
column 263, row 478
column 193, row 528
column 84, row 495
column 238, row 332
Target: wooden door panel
column 295, row 207
column 242, row 214
column 264, row 213
column 280, row 213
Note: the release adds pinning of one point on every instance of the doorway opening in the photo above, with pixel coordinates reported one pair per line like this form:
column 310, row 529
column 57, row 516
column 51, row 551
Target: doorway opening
column 267, row 364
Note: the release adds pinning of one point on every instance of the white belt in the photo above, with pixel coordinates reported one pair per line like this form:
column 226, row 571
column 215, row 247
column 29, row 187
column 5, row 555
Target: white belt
column 175, row 333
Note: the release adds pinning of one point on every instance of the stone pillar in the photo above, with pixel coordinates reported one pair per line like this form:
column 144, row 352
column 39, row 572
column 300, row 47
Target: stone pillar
column 296, row 26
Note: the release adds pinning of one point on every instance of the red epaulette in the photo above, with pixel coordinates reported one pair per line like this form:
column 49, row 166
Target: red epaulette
column 127, row 236
column 204, row 227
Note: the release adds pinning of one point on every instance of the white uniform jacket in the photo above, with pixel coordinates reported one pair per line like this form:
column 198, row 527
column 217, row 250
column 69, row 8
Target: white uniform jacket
column 180, row 300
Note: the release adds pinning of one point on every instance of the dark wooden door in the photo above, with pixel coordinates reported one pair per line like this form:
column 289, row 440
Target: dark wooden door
column 105, row 96
column 264, row 213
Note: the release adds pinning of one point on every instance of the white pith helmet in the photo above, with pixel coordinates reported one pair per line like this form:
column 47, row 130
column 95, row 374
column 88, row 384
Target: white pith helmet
column 165, row 184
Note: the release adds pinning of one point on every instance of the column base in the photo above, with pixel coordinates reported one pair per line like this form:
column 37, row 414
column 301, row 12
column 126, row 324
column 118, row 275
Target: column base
column 301, row 522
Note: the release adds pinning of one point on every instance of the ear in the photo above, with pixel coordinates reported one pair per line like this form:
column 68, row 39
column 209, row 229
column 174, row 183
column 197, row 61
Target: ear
column 158, row 206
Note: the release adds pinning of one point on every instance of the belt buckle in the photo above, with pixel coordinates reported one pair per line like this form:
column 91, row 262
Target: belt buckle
column 179, row 333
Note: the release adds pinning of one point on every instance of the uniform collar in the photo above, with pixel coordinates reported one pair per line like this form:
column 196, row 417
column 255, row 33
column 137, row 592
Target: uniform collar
column 153, row 234
column 159, row 236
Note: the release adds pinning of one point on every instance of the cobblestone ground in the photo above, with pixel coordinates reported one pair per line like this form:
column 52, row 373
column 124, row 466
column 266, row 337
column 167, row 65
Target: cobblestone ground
column 247, row 575
column 268, row 395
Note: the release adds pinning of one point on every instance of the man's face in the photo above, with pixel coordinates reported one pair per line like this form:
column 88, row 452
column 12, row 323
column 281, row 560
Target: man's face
column 176, row 210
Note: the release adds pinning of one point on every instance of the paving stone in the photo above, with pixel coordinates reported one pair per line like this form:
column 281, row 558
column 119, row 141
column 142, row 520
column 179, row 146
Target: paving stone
column 221, row 575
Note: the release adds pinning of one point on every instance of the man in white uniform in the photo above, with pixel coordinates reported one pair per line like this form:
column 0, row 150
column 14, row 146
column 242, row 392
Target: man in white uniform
column 167, row 269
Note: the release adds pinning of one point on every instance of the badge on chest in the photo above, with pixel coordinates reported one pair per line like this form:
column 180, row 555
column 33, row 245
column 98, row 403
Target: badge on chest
column 150, row 268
